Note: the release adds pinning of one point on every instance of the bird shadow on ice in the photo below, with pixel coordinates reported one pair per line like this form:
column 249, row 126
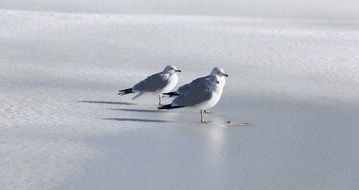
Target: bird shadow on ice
column 138, row 120
column 106, row 102
column 137, row 110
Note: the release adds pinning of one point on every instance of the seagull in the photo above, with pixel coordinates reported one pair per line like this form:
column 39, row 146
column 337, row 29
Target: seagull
column 215, row 71
column 158, row 83
column 204, row 95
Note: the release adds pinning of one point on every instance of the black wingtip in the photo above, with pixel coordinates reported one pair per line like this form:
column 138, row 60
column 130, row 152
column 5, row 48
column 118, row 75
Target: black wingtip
column 171, row 94
column 168, row 106
column 125, row 91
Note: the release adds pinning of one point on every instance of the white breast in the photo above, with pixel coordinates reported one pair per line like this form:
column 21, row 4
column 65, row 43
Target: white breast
column 172, row 82
column 222, row 81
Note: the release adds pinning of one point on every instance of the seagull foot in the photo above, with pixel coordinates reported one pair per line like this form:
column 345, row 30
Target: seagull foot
column 207, row 111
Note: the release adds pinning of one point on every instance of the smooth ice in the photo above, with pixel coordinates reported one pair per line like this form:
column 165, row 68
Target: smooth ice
column 293, row 77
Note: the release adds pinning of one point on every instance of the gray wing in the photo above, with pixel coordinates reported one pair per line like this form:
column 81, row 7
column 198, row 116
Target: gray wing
column 152, row 83
column 198, row 81
column 186, row 87
column 182, row 89
column 194, row 96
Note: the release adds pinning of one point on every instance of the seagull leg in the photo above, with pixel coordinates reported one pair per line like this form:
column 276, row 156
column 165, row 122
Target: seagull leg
column 160, row 100
column 202, row 119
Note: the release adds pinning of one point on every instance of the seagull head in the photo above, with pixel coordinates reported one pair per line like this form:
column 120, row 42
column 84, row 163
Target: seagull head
column 171, row 69
column 219, row 71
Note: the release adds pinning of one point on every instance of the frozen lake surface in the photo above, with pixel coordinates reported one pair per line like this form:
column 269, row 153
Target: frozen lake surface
column 293, row 76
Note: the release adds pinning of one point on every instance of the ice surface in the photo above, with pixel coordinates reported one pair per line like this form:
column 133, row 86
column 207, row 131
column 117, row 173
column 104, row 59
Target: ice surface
column 293, row 75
